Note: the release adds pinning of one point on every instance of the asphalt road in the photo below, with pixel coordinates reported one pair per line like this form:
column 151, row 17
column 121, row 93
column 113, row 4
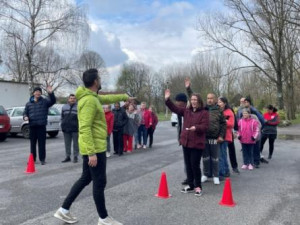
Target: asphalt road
column 268, row 195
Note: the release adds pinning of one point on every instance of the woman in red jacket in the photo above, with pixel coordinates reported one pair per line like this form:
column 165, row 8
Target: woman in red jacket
column 109, row 116
column 229, row 116
column 192, row 138
column 270, row 129
column 152, row 124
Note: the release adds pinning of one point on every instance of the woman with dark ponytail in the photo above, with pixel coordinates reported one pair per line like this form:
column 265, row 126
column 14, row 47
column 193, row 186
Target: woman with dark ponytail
column 269, row 130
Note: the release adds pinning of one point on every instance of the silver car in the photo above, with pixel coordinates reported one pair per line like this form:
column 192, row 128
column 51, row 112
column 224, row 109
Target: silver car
column 18, row 125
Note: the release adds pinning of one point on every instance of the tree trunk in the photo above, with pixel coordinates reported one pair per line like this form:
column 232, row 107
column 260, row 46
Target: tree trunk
column 280, row 101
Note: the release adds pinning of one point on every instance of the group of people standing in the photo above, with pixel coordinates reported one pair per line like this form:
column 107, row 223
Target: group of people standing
column 128, row 123
column 208, row 130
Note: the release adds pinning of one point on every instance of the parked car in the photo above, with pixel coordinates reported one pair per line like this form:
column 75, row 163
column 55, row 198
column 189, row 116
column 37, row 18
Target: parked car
column 18, row 125
column 174, row 119
column 4, row 124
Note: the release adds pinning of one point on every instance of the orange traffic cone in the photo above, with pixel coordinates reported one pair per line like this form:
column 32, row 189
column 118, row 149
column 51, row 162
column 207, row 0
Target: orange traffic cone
column 30, row 165
column 163, row 191
column 227, row 199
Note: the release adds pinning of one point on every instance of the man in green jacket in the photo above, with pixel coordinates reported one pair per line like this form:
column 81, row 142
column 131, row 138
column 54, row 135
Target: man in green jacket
column 92, row 145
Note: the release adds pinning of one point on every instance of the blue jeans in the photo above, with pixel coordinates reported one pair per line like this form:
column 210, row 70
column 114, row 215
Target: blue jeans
column 142, row 132
column 248, row 153
column 223, row 162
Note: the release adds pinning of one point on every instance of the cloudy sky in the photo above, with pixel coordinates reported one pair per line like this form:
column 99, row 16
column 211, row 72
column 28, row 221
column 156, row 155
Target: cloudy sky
column 155, row 32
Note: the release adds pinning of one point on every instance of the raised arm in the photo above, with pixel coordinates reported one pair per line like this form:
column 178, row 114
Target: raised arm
column 178, row 110
column 51, row 100
column 187, row 83
column 109, row 99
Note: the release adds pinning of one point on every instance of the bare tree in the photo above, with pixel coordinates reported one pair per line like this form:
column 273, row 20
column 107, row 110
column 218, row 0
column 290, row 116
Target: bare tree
column 40, row 22
column 87, row 60
column 255, row 30
column 135, row 79
column 52, row 68
column 15, row 59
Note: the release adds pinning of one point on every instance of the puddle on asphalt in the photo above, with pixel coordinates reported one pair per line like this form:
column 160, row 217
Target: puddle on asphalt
column 288, row 137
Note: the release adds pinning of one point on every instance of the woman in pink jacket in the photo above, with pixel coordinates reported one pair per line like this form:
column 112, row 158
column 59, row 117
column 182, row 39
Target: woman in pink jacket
column 247, row 134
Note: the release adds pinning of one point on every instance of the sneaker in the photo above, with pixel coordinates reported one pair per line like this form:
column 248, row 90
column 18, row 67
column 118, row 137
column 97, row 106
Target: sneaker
column 107, row 154
column 187, row 189
column 139, row 146
column 43, row 163
column 144, row 146
column 216, row 180
column 185, row 182
column 108, row 221
column 68, row 218
column 236, row 170
column 75, row 160
column 67, row 159
column 270, row 157
column 198, row 191
column 204, row 179
column 256, row 166
column 263, row 160
column 250, row 167
column 244, row 167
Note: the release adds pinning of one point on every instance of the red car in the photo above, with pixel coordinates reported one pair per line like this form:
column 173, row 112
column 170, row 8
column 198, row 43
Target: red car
column 4, row 124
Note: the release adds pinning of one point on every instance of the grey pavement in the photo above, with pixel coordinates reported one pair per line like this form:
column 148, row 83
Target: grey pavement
column 268, row 195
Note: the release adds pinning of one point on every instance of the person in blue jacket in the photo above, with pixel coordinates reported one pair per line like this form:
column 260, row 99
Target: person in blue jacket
column 36, row 113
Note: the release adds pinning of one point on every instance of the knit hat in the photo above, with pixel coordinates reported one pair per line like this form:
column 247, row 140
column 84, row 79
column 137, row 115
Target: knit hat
column 248, row 99
column 37, row 89
column 181, row 97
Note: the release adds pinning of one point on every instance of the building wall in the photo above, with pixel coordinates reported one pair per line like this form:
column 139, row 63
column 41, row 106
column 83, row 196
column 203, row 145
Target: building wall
column 13, row 94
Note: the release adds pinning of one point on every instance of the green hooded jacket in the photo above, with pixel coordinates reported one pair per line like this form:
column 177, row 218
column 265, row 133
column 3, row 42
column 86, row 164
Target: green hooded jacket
column 91, row 117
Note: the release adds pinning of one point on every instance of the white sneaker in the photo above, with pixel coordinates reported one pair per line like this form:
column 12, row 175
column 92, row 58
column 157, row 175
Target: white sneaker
column 144, row 146
column 108, row 221
column 216, row 180
column 204, row 179
column 107, row 154
column 66, row 217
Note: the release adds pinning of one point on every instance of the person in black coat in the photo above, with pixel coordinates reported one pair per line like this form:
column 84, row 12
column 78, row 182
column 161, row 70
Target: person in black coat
column 36, row 112
column 120, row 120
column 69, row 126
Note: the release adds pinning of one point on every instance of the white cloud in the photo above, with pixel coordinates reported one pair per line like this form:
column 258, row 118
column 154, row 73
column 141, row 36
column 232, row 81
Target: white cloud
column 156, row 34
column 107, row 45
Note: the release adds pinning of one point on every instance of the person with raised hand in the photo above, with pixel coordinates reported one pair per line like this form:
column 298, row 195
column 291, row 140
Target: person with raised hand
column 192, row 138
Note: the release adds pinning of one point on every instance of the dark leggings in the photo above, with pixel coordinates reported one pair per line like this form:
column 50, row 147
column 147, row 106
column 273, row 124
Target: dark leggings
column 271, row 138
column 232, row 155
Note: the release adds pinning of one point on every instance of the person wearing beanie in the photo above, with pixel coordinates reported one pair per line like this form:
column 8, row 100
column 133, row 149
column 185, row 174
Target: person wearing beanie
column 181, row 101
column 36, row 113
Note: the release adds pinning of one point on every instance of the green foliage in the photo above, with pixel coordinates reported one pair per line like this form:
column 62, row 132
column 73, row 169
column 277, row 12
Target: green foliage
column 261, row 105
column 162, row 116
column 282, row 115
column 297, row 120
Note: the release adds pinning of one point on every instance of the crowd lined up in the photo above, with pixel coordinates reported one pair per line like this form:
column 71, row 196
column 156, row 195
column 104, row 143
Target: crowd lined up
column 206, row 131
column 128, row 123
